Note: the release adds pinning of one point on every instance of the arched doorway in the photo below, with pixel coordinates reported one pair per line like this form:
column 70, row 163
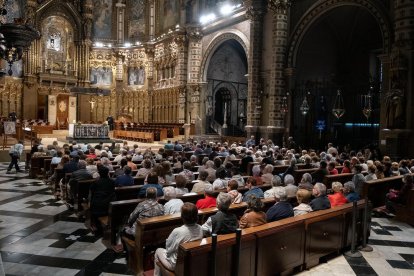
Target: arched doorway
column 340, row 50
column 227, row 89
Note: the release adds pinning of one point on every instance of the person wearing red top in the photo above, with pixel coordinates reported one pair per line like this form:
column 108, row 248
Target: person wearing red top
column 208, row 201
column 331, row 168
column 347, row 167
column 338, row 198
column 91, row 154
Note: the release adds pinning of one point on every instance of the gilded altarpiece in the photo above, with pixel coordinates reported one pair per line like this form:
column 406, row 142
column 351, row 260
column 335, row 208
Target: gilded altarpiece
column 11, row 91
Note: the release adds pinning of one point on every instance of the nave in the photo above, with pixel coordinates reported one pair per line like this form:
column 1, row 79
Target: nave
column 39, row 236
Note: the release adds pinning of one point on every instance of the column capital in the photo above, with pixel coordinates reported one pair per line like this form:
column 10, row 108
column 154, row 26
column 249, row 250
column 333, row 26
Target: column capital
column 194, row 33
column 279, row 6
column 255, row 9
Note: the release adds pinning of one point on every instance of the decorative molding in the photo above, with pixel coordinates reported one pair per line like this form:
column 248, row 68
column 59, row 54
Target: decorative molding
column 279, row 6
column 321, row 7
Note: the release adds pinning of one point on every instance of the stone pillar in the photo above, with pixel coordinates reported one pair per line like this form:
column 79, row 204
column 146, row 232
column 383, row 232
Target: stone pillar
column 277, row 119
column 397, row 124
column 30, row 57
column 194, row 62
column 120, row 22
column 148, row 110
column 255, row 12
column 83, row 47
column 181, row 78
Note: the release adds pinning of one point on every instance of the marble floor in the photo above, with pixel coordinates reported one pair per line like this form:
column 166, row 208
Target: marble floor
column 39, row 236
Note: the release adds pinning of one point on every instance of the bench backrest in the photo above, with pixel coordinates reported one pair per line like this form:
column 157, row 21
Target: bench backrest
column 377, row 189
column 273, row 248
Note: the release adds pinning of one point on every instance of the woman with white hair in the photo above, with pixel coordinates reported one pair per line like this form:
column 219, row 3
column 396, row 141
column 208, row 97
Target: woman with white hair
column 256, row 175
column 290, row 186
column 306, row 182
column 321, row 201
column 174, row 204
column 277, row 185
column 337, row 198
column 267, row 175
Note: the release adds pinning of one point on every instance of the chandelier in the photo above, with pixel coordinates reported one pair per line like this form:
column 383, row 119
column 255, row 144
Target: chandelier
column 15, row 38
column 304, row 108
column 338, row 109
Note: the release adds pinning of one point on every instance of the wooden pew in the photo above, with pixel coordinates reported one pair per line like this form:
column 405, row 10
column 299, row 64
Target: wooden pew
column 154, row 231
column 282, row 247
column 377, row 189
column 127, row 192
column 405, row 212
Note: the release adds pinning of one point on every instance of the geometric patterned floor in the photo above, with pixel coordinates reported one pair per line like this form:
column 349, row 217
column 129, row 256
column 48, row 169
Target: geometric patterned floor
column 39, row 236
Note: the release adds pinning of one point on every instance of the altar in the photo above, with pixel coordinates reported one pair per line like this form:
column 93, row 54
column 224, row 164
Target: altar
column 88, row 131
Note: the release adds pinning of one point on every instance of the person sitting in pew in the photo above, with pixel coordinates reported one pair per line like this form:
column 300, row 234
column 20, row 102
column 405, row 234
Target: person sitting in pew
column 202, row 183
column 187, row 171
column 303, row 197
column 282, row 208
column 267, row 175
column 80, row 174
column 290, row 186
column 173, row 204
column 253, row 189
column 320, row 173
column 125, row 179
column 347, row 167
column 254, row 215
column 181, row 182
column 209, row 199
column 190, row 231
column 349, row 191
column 223, row 222
column 277, row 185
column 399, row 196
column 152, row 179
column 371, row 173
column 146, row 209
column 120, row 171
column 220, row 182
column 358, row 178
column 337, row 198
column 232, row 191
column 321, row 201
column 256, row 175
column 235, row 175
column 331, row 168
column 306, row 182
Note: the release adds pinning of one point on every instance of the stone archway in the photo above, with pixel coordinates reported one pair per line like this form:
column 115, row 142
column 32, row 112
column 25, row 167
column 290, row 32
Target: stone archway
column 226, row 72
column 340, row 48
column 321, row 7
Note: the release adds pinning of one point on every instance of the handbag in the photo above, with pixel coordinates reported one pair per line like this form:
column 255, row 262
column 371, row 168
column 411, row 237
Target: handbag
column 393, row 194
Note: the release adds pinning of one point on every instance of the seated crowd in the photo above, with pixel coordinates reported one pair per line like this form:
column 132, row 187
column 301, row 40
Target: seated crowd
column 220, row 169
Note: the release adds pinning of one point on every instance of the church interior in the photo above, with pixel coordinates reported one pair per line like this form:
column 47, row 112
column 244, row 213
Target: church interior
column 221, row 71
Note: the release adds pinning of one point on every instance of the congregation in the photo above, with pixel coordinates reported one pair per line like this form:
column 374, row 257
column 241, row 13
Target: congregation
column 219, row 171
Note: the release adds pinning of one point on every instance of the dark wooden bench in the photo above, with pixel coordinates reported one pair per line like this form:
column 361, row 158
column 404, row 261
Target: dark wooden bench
column 127, row 192
column 376, row 190
column 405, row 212
column 154, row 231
column 282, row 247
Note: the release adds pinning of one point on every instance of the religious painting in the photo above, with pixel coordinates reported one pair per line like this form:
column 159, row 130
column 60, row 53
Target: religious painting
column 136, row 28
column 136, row 76
column 101, row 76
column 62, row 110
column 168, row 11
column 102, row 23
column 54, row 40
column 9, row 128
column 14, row 10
